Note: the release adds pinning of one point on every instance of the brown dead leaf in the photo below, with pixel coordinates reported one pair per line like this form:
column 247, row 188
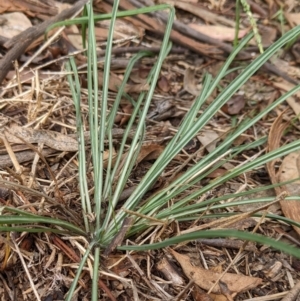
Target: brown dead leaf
column 293, row 103
column 208, row 139
column 221, row 33
column 225, row 290
column 268, row 35
column 219, row 172
column 121, row 265
column 164, row 110
column 163, row 84
column 115, row 82
column 127, row 110
column 27, row 243
column 150, row 152
column 189, row 82
column 139, row 76
column 289, row 170
column 234, row 105
column 293, row 18
column 123, row 30
column 147, row 152
column 217, row 297
column 13, row 24
column 199, row 295
column 72, row 33
column 206, row 279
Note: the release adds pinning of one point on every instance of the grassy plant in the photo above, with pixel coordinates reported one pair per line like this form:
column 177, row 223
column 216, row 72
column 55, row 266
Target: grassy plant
column 105, row 226
column 253, row 23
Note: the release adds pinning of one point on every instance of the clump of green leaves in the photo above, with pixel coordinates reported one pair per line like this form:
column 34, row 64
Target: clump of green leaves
column 101, row 231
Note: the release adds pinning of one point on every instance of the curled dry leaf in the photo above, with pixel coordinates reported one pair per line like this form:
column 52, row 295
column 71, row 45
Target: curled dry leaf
column 289, row 170
column 206, row 279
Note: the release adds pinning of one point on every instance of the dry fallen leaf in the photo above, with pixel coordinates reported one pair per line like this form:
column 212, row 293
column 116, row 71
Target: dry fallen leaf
column 206, row 279
column 219, row 32
column 163, row 110
column 219, row 172
column 163, row 84
column 199, row 295
column 268, row 35
column 122, row 118
column 208, row 139
column 189, row 82
column 150, row 152
column 289, row 170
column 115, row 83
column 13, row 24
column 123, row 30
column 139, row 76
column 147, row 152
column 234, row 105
column 293, row 18
column 293, row 103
